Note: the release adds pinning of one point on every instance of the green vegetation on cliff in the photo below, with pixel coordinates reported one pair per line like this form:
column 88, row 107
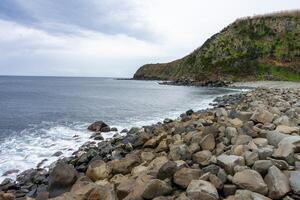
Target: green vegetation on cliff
column 258, row 48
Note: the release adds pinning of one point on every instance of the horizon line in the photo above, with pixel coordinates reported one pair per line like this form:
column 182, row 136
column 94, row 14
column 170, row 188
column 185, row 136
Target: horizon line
column 60, row 76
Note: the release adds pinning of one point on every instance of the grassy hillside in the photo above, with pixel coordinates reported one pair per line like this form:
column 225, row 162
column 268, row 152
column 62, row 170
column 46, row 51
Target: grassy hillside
column 258, row 48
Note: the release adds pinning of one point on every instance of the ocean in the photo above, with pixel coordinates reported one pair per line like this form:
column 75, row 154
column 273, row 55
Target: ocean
column 42, row 115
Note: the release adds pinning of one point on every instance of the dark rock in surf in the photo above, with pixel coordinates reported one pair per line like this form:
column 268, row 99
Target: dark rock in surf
column 97, row 126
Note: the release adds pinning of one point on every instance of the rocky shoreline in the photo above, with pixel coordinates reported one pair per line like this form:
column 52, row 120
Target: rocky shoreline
column 246, row 147
column 188, row 82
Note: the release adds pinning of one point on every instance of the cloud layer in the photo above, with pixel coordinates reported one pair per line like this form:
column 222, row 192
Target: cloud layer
column 111, row 37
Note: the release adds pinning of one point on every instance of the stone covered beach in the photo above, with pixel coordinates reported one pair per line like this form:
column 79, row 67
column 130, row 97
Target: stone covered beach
column 247, row 147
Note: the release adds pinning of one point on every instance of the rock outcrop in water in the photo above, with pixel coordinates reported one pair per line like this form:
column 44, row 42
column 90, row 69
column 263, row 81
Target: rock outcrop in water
column 258, row 48
column 247, row 147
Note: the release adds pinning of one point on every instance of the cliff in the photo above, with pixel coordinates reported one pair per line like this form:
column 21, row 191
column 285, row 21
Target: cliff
column 265, row 47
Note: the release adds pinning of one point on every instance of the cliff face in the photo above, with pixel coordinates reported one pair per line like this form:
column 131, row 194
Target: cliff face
column 258, row 48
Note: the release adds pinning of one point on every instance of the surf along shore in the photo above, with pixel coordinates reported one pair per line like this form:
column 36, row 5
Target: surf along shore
column 246, row 147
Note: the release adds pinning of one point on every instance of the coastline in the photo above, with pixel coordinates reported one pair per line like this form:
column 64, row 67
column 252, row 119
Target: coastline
column 267, row 84
column 120, row 149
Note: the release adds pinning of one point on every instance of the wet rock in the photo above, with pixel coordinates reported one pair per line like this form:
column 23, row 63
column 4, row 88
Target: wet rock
column 9, row 172
column 97, row 126
column 156, row 188
column 114, row 129
column 57, row 154
column 124, row 130
column 199, row 189
column 250, row 180
column 105, row 129
column 189, row 112
column 277, row 182
column 167, row 121
column 61, row 179
column 184, row 176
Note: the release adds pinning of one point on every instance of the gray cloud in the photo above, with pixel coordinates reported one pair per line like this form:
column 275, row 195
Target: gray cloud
column 111, row 37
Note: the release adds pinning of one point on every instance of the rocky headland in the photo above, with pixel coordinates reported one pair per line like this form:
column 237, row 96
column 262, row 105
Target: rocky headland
column 264, row 47
column 246, row 147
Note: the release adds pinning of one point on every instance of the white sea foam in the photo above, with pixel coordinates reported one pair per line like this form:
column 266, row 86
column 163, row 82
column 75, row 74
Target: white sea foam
column 35, row 144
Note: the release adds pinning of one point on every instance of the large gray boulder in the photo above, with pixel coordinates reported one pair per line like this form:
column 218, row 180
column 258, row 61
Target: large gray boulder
column 278, row 183
column 294, row 180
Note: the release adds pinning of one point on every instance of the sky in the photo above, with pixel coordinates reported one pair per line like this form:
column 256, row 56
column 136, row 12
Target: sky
column 111, row 38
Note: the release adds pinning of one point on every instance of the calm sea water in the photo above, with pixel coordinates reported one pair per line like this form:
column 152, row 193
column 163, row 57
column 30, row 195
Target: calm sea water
column 41, row 115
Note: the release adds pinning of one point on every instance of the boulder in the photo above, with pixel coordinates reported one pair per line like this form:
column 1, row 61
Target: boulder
column 103, row 193
column 125, row 186
column 250, row 180
column 248, row 195
column 97, row 126
column 228, row 162
column 147, row 156
column 277, row 182
column 229, row 189
column 287, row 147
column 155, row 188
column 294, row 180
column 139, row 188
column 82, row 188
column 202, row 157
column 179, row 152
column 250, row 157
column 208, row 142
column 61, row 179
column 184, row 176
column 167, row 170
column 287, row 129
column 262, row 166
column 244, row 116
column 262, row 116
column 124, row 165
column 275, row 137
column 98, row 170
column 199, row 189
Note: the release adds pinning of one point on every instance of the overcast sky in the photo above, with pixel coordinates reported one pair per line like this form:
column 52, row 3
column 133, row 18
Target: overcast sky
column 111, row 37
